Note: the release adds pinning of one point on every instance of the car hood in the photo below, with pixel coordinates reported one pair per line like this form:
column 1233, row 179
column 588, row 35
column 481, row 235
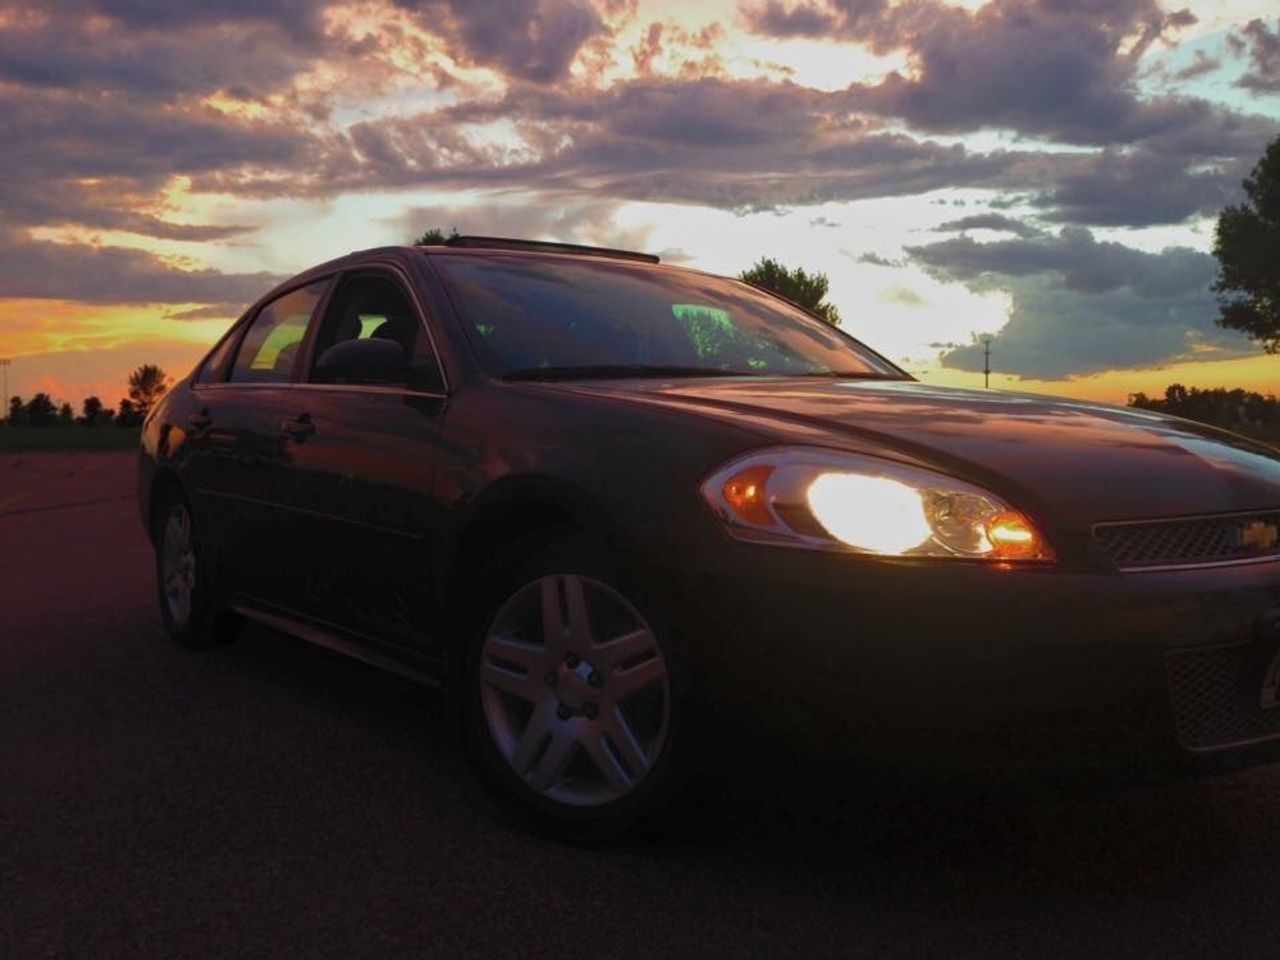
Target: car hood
column 1079, row 461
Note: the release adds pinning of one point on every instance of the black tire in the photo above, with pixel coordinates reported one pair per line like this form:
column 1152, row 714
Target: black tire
column 604, row 576
column 201, row 621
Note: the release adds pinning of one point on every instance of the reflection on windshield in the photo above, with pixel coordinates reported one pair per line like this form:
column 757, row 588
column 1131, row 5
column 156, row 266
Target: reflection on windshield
column 543, row 318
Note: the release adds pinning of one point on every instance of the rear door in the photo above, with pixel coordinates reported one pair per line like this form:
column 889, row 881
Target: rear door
column 237, row 467
column 360, row 481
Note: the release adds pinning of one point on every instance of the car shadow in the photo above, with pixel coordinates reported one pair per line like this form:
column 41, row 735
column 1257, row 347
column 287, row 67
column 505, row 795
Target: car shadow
column 1105, row 850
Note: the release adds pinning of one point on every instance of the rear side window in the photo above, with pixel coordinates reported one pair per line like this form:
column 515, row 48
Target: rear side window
column 270, row 346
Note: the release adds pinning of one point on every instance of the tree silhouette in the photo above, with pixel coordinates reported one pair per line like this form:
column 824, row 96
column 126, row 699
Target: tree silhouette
column 91, row 411
column 127, row 415
column 66, row 416
column 434, row 237
column 1228, row 408
column 1247, row 245
column 147, row 385
column 809, row 290
column 17, row 412
column 41, row 411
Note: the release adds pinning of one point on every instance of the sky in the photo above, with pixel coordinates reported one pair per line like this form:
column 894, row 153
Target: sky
column 1042, row 173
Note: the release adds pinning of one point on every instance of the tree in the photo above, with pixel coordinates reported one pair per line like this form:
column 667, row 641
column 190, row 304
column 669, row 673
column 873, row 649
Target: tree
column 434, row 237
column 147, row 385
column 41, row 411
column 91, row 411
column 799, row 286
column 17, row 412
column 127, row 415
column 1247, row 245
column 66, row 416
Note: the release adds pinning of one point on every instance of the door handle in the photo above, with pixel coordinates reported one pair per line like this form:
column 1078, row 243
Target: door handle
column 299, row 428
column 199, row 421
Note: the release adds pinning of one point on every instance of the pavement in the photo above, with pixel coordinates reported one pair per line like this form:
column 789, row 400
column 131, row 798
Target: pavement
column 265, row 799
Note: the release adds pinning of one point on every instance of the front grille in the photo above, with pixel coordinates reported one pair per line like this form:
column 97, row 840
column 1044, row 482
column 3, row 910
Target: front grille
column 1192, row 540
column 1217, row 696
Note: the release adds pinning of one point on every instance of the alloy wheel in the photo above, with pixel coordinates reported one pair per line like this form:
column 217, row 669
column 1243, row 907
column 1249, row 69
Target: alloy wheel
column 575, row 690
column 178, row 564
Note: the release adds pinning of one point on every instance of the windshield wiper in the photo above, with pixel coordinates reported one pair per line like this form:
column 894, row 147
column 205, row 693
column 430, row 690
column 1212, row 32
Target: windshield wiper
column 618, row 371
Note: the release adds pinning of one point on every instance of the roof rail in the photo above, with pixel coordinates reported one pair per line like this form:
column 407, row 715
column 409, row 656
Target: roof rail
column 544, row 246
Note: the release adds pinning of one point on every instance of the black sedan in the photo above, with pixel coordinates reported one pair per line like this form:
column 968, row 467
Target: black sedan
column 634, row 517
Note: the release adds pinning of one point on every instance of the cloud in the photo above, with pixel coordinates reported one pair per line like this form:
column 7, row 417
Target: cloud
column 989, row 221
column 875, row 260
column 545, row 218
column 1075, row 258
column 1051, row 68
column 156, row 50
column 1138, row 188
column 37, row 269
column 1203, row 64
column 534, row 40
column 1263, row 45
column 1080, row 306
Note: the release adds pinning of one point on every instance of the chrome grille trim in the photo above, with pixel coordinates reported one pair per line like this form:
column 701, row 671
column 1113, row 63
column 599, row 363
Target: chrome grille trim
column 1207, row 540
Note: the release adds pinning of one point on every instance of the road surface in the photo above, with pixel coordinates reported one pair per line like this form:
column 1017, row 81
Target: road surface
column 267, row 800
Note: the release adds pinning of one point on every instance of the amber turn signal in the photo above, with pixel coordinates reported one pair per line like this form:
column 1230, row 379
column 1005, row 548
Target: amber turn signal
column 744, row 493
column 1014, row 538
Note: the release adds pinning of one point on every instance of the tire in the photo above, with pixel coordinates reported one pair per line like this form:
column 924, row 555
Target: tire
column 581, row 738
column 186, row 590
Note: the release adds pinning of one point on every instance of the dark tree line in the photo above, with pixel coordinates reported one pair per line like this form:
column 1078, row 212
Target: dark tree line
column 1225, row 408
column 147, row 385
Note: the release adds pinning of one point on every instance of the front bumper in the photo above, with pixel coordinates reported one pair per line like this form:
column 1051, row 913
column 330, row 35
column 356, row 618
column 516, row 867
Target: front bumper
column 960, row 669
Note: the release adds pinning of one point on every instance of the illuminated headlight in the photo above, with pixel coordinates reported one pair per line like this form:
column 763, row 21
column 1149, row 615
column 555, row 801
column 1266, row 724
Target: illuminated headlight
column 823, row 499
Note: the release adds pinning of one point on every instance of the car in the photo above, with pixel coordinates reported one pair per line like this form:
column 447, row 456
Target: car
column 642, row 522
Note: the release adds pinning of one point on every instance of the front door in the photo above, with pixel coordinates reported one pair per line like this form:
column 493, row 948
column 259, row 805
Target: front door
column 361, row 477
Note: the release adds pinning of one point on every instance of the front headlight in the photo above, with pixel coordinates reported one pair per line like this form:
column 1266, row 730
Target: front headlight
column 827, row 500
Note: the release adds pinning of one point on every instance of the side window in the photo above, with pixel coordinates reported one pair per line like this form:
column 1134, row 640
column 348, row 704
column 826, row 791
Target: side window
column 215, row 365
column 271, row 344
column 376, row 307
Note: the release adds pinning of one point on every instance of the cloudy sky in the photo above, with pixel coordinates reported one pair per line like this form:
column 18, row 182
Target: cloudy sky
column 1044, row 171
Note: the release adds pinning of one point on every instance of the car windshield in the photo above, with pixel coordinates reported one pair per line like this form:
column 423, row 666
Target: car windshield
column 533, row 318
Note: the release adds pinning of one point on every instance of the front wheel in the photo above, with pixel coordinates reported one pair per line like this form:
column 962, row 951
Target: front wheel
column 571, row 700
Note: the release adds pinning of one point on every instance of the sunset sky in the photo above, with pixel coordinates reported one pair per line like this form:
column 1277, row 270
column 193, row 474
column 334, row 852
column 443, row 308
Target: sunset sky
column 1044, row 171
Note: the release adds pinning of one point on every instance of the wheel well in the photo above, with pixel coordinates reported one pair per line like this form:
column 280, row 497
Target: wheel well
column 163, row 484
column 504, row 534
column 510, row 527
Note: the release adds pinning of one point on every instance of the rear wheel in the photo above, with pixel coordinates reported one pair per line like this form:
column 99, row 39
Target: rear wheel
column 184, row 580
column 571, row 700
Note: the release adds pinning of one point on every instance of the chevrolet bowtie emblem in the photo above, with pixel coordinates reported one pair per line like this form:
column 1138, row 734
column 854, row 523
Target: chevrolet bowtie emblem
column 1259, row 535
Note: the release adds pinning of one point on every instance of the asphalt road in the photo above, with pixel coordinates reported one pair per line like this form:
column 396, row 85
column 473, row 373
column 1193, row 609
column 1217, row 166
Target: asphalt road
column 264, row 799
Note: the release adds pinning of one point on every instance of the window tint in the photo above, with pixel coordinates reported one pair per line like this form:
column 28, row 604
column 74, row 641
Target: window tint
column 526, row 315
column 376, row 306
column 215, row 365
column 271, row 344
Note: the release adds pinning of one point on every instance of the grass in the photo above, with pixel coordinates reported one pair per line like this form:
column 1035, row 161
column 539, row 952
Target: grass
column 69, row 438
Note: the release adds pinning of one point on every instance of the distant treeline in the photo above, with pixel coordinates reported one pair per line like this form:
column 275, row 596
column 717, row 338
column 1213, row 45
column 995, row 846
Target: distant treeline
column 147, row 385
column 1219, row 406
column 42, row 411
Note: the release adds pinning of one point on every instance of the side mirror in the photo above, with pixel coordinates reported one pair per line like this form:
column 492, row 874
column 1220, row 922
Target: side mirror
column 372, row 361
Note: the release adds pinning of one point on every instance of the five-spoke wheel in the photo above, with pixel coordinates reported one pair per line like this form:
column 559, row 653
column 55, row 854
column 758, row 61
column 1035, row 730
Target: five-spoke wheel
column 178, row 564
column 575, row 690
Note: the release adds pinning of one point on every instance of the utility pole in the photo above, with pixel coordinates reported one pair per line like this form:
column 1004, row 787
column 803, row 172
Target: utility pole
column 4, row 366
column 986, row 362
